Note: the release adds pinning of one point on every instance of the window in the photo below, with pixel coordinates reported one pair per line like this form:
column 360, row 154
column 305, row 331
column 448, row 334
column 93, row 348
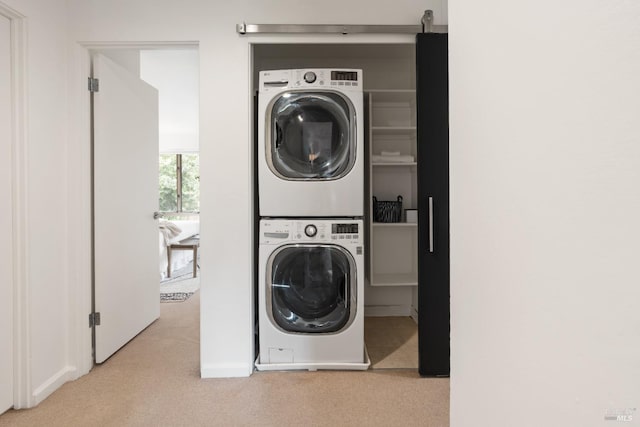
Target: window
column 179, row 183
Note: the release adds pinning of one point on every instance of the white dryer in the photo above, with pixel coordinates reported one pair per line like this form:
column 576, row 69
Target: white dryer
column 310, row 297
column 311, row 143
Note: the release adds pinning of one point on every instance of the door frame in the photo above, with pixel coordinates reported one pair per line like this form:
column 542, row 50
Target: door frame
column 80, row 183
column 22, row 396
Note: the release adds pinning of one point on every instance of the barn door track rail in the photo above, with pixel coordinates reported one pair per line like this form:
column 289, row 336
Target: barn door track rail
column 426, row 26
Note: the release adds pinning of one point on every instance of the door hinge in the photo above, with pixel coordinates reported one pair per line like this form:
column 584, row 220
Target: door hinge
column 94, row 85
column 94, row 319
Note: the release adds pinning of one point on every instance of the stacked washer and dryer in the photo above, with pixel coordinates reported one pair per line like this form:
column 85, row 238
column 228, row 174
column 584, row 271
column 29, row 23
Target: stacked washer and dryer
column 311, row 235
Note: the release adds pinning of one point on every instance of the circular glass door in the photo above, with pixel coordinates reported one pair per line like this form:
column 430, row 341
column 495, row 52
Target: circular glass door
column 311, row 136
column 311, row 288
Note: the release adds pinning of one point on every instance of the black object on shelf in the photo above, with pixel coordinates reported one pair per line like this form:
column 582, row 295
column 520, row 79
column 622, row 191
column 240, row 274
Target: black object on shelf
column 387, row 211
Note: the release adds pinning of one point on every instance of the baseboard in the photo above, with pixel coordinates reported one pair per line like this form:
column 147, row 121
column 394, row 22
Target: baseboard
column 414, row 314
column 387, row 310
column 52, row 384
column 226, row 370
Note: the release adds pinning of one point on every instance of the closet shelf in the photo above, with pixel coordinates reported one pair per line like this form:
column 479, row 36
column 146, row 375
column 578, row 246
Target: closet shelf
column 392, row 129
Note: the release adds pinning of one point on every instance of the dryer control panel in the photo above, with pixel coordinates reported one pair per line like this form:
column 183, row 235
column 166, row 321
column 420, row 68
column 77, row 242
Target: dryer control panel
column 278, row 231
column 321, row 78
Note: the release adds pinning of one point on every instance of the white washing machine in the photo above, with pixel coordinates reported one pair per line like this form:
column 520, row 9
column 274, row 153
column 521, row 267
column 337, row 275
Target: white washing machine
column 311, row 284
column 311, row 143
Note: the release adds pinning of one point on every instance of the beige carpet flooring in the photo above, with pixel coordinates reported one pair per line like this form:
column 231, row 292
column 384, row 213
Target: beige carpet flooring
column 392, row 342
column 154, row 381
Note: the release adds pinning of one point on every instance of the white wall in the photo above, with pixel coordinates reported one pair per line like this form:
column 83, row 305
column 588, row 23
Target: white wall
column 545, row 208
column 225, row 138
column 385, row 66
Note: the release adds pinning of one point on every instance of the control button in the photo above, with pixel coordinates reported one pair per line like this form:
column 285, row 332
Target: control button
column 321, row 82
column 298, row 235
column 309, row 77
column 310, row 230
column 348, row 236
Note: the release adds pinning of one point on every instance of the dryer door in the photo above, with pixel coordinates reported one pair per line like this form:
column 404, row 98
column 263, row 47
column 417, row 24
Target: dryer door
column 311, row 288
column 311, row 136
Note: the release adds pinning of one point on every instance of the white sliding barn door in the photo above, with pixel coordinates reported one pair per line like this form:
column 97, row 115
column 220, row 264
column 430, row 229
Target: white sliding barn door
column 127, row 293
column 6, row 220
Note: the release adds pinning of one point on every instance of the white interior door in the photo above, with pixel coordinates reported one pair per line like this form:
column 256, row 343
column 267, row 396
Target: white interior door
column 127, row 293
column 6, row 220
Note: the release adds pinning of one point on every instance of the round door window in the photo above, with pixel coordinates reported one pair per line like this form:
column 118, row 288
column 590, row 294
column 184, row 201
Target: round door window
column 310, row 289
column 312, row 136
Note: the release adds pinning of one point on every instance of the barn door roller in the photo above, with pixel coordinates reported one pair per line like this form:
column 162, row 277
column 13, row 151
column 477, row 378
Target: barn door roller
column 427, row 21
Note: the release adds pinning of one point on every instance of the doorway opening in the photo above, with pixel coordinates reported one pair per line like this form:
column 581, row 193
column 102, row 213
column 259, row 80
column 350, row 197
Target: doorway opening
column 145, row 186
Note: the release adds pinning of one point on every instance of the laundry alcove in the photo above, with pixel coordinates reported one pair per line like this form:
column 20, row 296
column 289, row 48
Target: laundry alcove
column 389, row 75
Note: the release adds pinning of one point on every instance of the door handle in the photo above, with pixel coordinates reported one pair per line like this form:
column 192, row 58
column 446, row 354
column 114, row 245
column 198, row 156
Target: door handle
column 431, row 224
column 157, row 215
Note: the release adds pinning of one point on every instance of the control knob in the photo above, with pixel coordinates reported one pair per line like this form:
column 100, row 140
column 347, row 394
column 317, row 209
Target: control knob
column 309, row 77
column 310, row 230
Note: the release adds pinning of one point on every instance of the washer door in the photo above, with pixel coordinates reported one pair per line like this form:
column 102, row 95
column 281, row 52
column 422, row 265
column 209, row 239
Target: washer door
column 311, row 288
column 311, row 136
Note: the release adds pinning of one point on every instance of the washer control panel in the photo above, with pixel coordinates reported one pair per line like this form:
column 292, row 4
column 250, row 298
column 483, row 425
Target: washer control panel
column 277, row 231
